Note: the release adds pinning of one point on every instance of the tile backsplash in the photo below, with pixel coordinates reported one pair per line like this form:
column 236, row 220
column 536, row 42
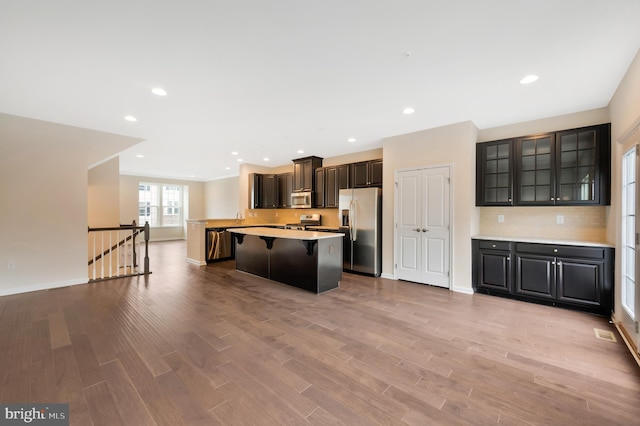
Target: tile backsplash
column 584, row 223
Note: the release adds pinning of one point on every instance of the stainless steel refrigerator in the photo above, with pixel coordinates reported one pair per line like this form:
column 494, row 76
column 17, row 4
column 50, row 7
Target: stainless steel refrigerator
column 360, row 215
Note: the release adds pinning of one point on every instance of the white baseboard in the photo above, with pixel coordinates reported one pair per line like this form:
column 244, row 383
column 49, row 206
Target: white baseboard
column 45, row 286
column 387, row 276
column 464, row 290
column 196, row 262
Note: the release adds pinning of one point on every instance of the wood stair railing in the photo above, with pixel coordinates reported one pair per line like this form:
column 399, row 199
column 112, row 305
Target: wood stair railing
column 120, row 257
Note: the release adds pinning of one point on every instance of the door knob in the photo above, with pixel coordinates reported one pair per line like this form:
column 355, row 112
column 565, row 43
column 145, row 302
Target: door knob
column 417, row 229
column 425, row 230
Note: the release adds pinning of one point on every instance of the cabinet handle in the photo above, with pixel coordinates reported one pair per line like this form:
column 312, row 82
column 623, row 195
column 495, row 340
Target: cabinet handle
column 555, row 250
column 553, row 263
column 493, row 245
column 552, row 198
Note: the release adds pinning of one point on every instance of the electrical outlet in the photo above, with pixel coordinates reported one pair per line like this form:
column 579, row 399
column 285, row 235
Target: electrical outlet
column 500, row 218
column 11, row 264
column 560, row 219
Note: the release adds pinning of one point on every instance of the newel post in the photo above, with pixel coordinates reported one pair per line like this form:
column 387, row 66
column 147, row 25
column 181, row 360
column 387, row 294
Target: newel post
column 146, row 248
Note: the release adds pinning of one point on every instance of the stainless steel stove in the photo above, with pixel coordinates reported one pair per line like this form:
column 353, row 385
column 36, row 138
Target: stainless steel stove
column 305, row 220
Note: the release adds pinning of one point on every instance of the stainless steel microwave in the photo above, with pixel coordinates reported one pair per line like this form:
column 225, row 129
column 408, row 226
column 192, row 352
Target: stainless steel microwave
column 301, row 200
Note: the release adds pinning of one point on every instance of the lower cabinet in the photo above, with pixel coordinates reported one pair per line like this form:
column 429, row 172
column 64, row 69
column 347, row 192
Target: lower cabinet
column 494, row 265
column 565, row 275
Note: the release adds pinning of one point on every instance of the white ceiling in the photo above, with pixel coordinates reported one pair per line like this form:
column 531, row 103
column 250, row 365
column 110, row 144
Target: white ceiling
column 266, row 78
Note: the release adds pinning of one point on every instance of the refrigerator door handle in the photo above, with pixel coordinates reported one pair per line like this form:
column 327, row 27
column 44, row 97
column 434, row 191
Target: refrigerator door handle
column 354, row 229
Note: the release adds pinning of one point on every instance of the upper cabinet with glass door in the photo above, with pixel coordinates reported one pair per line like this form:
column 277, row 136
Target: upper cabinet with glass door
column 494, row 173
column 583, row 166
column 569, row 167
column 535, row 172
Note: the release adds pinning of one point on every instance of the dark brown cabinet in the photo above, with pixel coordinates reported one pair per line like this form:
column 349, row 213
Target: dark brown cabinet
column 583, row 158
column 569, row 167
column 304, row 173
column 365, row 174
column 494, row 173
column 494, row 265
column 335, row 179
column 319, row 188
column 255, row 191
column 285, row 188
column 535, row 160
column 571, row 276
column 269, row 191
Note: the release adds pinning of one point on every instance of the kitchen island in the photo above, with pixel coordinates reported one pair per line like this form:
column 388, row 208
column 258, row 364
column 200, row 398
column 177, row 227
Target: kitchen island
column 305, row 259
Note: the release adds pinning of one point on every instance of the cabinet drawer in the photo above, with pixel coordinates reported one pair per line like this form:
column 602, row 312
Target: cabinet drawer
column 494, row 245
column 562, row 250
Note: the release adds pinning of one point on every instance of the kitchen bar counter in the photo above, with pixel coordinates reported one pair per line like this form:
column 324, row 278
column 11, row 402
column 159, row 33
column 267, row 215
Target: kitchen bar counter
column 304, row 259
column 293, row 234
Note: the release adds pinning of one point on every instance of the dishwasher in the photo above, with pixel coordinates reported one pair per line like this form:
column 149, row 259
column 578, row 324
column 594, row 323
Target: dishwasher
column 218, row 244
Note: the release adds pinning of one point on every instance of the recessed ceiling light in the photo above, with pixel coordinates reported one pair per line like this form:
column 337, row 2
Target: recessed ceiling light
column 192, row 176
column 351, row 140
column 239, row 159
column 265, row 159
column 529, row 79
column 159, row 91
column 140, row 156
column 130, row 118
column 408, row 110
column 227, row 168
column 234, row 152
column 301, row 151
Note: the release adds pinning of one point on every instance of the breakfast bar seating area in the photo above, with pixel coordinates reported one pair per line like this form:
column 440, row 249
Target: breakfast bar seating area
column 305, row 259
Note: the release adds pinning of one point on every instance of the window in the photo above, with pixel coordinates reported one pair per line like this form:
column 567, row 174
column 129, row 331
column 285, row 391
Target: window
column 160, row 204
column 629, row 231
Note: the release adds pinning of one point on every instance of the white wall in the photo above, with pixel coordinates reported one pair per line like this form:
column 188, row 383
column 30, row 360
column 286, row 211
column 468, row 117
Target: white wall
column 43, row 212
column 129, row 205
column 222, row 198
column 104, row 194
column 454, row 145
column 549, row 124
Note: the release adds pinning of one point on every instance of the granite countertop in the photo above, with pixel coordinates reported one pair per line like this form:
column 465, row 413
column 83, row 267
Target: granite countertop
column 244, row 225
column 544, row 241
column 285, row 233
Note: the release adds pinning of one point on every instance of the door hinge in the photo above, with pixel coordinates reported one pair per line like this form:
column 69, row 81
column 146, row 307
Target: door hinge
column 637, row 328
column 396, row 266
column 637, row 238
column 448, row 273
column 396, row 184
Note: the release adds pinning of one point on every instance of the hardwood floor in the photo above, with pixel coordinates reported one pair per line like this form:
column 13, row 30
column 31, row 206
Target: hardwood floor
column 209, row 345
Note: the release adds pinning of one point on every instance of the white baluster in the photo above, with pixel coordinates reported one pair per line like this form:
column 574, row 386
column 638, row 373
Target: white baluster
column 118, row 255
column 94, row 255
column 102, row 255
column 110, row 256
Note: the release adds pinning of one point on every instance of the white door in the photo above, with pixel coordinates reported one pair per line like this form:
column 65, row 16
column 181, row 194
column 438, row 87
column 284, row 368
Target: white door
column 409, row 225
column 422, row 227
column 630, row 288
